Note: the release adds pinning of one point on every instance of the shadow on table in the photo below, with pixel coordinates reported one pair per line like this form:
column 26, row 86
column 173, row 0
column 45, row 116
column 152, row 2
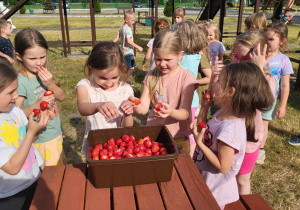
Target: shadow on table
column 40, row 203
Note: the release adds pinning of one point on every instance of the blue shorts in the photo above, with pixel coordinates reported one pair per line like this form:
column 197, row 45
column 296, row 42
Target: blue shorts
column 129, row 59
column 270, row 114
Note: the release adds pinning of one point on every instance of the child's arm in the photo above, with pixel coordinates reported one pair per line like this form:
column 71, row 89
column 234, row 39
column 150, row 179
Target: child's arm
column 129, row 41
column 220, row 56
column 86, row 108
column 216, row 68
column 127, row 109
column 147, row 57
column 7, row 57
column 285, row 91
column 223, row 160
column 206, row 79
column 16, row 162
column 117, row 37
column 48, row 80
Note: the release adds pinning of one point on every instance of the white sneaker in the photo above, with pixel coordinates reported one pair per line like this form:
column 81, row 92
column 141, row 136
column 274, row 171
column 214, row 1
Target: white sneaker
column 261, row 157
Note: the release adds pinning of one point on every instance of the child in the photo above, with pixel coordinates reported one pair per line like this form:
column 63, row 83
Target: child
column 125, row 33
column 247, row 48
column 216, row 48
column 34, row 80
column 159, row 24
column 6, row 47
column 170, row 86
column 103, row 99
column 178, row 15
column 240, row 91
column 19, row 159
column 281, row 68
column 255, row 21
column 193, row 42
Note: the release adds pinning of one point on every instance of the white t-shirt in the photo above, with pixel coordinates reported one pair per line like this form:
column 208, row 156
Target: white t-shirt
column 12, row 132
column 97, row 94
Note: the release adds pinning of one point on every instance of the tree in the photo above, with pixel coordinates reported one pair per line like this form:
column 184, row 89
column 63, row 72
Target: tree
column 168, row 8
column 97, row 6
column 161, row 2
column 22, row 10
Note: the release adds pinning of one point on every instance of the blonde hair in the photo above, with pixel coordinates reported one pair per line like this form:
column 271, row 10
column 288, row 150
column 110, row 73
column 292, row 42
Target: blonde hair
column 8, row 74
column 128, row 13
column 179, row 11
column 212, row 25
column 258, row 20
column 167, row 41
column 160, row 24
column 192, row 40
column 282, row 31
column 203, row 33
column 3, row 24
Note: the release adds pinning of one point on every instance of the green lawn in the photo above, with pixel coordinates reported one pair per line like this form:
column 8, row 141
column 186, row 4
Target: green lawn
column 278, row 180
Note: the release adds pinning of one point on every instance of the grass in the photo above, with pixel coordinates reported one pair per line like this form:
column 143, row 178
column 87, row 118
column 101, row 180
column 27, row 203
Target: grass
column 278, row 180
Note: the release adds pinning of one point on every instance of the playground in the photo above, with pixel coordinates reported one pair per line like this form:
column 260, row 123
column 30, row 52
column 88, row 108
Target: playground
column 278, row 180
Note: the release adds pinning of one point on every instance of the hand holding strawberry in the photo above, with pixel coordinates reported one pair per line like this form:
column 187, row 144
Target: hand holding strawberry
column 162, row 110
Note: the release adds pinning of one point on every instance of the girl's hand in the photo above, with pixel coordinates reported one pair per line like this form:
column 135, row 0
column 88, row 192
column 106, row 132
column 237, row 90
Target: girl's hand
column 52, row 111
column 36, row 126
column 280, row 112
column 108, row 110
column 197, row 132
column 45, row 76
column 216, row 68
column 260, row 59
column 50, row 99
column 127, row 107
column 164, row 112
column 144, row 67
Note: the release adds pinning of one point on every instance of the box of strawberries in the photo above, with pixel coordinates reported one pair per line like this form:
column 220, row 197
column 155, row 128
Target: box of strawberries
column 130, row 156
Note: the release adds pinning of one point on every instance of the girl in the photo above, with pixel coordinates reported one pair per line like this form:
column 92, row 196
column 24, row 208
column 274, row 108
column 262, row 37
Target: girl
column 255, row 21
column 216, row 48
column 34, row 80
column 159, row 24
column 247, row 48
column 19, row 159
column 170, row 85
column 103, row 99
column 281, row 68
column 193, row 42
column 240, row 91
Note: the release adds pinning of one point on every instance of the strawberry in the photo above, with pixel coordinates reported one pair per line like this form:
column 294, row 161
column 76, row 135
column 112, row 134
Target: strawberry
column 137, row 101
column 147, row 138
column 158, row 107
column 154, row 148
column 111, row 141
column 36, row 112
column 207, row 96
column 44, row 105
column 48, row 93
column 202, row 125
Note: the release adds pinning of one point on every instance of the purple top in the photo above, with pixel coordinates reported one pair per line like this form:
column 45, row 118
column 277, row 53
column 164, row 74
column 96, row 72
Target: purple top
column 215, row 50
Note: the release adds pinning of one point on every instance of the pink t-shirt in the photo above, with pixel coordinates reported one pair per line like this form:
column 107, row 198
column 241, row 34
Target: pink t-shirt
column 169, row 90
column 233, row 133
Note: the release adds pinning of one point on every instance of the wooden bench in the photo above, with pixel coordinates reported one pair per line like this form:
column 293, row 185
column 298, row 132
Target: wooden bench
column 123, row 8
column 48, row 11
column 252, row 201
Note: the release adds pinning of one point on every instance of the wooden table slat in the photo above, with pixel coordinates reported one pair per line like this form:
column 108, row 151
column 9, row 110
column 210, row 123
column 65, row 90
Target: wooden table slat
column 254, row 201
column 238, row 205
column 48, row 189
column 73, row 188
column 148, row 197
column 174, row 195
column 199, row 193
column 124, row 198
column 96, row 197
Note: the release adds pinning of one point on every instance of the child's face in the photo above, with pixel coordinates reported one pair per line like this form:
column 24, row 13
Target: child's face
column 7, row 30
column 107, row 79
column 130, row 20
column 8, row 96
column 178, row 19
column 273, row 41
column 166, row 62
column 240, row 53
column 33, row 58
column 211, row 35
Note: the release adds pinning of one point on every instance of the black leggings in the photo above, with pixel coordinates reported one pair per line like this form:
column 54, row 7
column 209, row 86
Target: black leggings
column 19, row 201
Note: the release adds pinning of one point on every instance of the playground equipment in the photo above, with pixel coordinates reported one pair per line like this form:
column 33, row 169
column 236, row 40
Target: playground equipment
column 7, row 13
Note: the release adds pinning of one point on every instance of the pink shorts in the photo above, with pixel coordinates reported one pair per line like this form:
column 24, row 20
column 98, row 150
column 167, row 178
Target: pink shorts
column 249, row 162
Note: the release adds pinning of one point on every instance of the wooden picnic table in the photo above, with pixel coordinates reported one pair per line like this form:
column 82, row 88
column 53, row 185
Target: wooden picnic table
column 69, row 187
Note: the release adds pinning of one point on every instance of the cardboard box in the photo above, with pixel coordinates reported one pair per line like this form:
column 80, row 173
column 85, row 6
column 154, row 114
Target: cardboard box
column 132, row 171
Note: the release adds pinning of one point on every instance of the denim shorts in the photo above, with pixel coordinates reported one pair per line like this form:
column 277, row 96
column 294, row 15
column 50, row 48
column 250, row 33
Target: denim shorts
column 129, row 59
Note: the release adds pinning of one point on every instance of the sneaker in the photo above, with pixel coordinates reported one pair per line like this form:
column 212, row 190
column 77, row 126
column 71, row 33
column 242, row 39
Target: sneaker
column 283, row 17
column 295, row 141
column 261, row 157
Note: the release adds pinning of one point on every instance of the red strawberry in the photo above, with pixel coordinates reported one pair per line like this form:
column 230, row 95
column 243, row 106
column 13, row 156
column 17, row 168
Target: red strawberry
column 103, row 152
column 202, row 125
column 131, row 138
column 147, row 144
column 44, row 105
column 137, row 101
column 147, row 138
column 155, row 153
column 155, row 148
column 95, row 152
column 118, row 141
column 111, row 141
column 158, row 107
column 104, row 157
column 125, row 138
column 141, row 141
column 162, row 149
column 164, row 153
column 48, row 93
column 148, row 151
column 139, row 154
column 96, row 157
column 207, row 96
column 36, row 111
